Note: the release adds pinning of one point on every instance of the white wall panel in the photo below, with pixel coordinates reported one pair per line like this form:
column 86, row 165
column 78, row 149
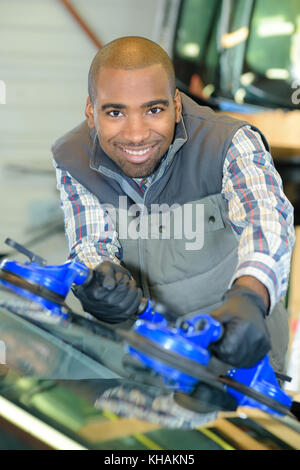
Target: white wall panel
column 115, row 18
column 44, row 62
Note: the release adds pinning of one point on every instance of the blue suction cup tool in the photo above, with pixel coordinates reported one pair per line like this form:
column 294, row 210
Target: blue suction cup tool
column 45, row 285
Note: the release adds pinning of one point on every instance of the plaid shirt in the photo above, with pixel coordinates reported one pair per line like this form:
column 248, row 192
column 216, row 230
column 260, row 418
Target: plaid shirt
column 258, row 210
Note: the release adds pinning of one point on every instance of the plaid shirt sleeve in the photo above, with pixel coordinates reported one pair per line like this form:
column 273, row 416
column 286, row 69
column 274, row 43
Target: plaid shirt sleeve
column 259, row 212
column 89, row 230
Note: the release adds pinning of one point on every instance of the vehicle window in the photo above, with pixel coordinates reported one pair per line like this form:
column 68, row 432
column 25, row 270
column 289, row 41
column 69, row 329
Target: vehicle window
column 274, row 41
column 243, row 51
column 194, row 28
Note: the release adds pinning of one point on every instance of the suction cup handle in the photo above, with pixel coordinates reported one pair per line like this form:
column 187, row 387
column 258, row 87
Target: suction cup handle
column 143, row 306
column 32, row 256
column 151, row 312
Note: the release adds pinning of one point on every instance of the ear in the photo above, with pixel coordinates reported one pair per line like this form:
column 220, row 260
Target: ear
column 178, row 106
column 89, row 113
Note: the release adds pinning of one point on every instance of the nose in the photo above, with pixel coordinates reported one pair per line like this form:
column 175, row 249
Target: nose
column 136, row 130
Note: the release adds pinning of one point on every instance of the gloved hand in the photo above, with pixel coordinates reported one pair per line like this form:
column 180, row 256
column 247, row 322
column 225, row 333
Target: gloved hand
column 246, row 339
column 111, row 295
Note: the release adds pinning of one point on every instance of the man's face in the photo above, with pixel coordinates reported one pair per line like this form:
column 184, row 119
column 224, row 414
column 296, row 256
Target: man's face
column 134, row 115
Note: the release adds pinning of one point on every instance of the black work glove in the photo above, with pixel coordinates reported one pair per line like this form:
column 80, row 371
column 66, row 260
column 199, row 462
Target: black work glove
column 246, row 339
column 111, row 295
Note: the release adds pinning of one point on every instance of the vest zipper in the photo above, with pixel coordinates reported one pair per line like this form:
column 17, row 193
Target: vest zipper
column 144, row 281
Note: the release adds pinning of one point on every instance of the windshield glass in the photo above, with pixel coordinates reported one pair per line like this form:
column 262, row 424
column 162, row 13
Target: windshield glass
column 246, row 51
column 273, row 48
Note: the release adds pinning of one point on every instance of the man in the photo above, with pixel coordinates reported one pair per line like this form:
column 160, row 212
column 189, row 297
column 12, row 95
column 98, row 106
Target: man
column 147, row 154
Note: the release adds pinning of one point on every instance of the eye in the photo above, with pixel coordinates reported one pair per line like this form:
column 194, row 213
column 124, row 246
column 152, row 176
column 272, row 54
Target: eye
column 115, row 113
column 155, row 110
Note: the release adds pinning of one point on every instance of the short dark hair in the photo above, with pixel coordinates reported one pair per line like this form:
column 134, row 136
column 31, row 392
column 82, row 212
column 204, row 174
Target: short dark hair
column 129, row 53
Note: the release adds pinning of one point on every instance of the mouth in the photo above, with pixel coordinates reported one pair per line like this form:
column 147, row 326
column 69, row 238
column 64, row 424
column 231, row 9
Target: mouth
column 137, row 155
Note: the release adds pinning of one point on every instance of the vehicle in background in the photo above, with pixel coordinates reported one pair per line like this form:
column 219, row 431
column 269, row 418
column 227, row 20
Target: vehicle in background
column 233, row 52
column 243, row 58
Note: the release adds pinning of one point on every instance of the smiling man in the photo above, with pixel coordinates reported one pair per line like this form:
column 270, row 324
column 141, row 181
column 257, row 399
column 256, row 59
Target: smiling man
column 137, row 132
column 148, row 144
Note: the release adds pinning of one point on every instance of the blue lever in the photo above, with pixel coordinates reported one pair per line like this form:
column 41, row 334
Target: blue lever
column 192, row 341
column 55, row 280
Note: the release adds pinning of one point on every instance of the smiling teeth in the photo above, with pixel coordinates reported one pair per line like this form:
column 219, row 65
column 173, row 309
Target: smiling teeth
column 135, row 152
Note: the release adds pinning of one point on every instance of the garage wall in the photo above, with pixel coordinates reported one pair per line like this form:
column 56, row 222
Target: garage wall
column 44, row 62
